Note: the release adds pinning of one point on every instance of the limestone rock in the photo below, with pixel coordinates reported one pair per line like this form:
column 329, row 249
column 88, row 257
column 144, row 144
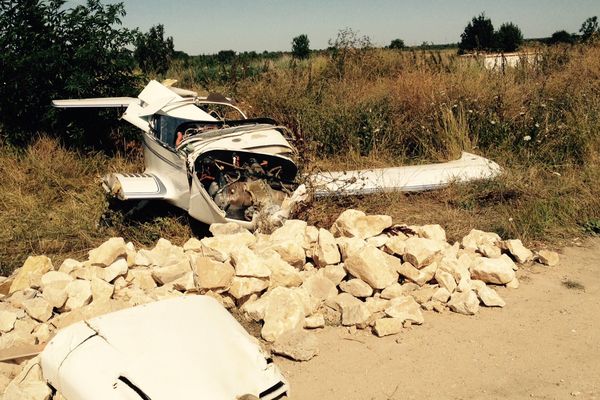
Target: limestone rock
column 292, row 230
column 494, row 270
column 396, row 245
column 442, row 295
column 373, row 266
column 423, row 294
column 420, row 251
column 38, row 309
column 55, row 278
column 433, row 232
column 335, row 273
column 465, row 302
column 248, row 264
column 490, row 251
column 284, row 312
column 185, row 283
column 31, row 390
column 28, row 384
column 515, row 247
column 7, row 320
column 164, row 275
column 291, row 251
column 405, row 308
column 319, row 289
column 242, row 286
column 210, row 274
column 488, row 296
column 378, row 241
column 426, row 274
column 70, row 265
column 163, row 254
column 549, row 258
column 55, row 294
column 514, row 284
column 392, row 291
column 30, row 274
column 327, row 252
column 42, row 333
column 376, row 304
column 356, row 288
column 477, row 238
column 141, row 278
column 79, row 294
column 445, row 280
column 354, row 223
column 118, row 268
column 296, row 344
column 311, row 235
column 349, row 246
column 107, row 252
column 17, row 298
column 408, row 271
column 101, row 290
column 282, row 273
column 314, row 321
column 388, row 326
column 354, row 311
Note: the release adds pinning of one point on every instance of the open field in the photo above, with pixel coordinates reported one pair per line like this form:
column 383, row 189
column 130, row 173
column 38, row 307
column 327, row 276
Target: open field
column 355, row 109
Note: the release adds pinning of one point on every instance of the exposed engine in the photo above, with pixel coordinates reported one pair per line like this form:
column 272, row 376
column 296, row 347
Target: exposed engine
column 242, row 183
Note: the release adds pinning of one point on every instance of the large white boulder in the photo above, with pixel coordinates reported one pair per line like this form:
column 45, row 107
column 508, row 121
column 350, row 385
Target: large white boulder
column 354, row 311
column 494, row 270
column 107, row 252
column 284, row 311
column 405, row 308
column 354, row 223
column 466, row 302
column 420, row 252
column 248, row 264
column 326, row 252
column 30, row 274
column 373, row 266
column 356, row 288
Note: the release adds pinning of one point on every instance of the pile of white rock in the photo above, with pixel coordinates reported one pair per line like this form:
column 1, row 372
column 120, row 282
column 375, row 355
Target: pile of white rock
column 363, row 273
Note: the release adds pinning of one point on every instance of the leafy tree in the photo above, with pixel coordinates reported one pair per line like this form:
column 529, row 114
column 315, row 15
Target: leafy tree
column 508, row 38
column 397, row 44
column 153, row 52
column 561, row 37
column 589, row 28
column 226, row 56
column 49, row 52
column 300, row 47
column 478, row 35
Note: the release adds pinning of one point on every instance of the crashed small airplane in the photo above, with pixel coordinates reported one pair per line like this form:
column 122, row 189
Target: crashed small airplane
column 230, row 169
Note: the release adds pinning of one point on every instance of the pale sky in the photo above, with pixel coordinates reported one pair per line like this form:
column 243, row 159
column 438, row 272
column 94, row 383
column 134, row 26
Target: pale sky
column 205, row 27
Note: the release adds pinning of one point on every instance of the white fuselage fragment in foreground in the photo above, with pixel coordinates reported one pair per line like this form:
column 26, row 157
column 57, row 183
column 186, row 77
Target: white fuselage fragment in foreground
column 182, row 348
column 415, row 178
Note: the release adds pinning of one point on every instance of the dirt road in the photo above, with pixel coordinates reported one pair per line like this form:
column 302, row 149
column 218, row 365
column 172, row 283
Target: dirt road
column 545, row 344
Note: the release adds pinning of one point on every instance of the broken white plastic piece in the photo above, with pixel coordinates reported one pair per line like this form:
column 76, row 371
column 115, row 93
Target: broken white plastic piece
column 186, row 347
column 415, row 178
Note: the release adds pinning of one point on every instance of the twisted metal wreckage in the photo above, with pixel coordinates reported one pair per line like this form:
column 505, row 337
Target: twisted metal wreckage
column 221, row 168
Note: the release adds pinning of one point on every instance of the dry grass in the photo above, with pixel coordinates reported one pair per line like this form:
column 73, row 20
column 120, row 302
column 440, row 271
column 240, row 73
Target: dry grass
column 373, row 108
column 51, row 203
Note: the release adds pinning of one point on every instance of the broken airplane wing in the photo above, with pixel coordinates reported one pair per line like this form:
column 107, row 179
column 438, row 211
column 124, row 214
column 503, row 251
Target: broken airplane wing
column 414, row 178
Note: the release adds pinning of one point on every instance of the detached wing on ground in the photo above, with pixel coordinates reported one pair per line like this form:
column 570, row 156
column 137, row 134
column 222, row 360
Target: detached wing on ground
column 415, row 178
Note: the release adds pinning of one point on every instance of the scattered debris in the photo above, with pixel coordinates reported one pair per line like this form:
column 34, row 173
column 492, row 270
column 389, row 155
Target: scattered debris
column 364, row 273
column 221, row 166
